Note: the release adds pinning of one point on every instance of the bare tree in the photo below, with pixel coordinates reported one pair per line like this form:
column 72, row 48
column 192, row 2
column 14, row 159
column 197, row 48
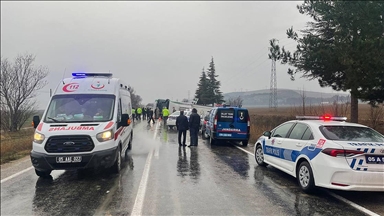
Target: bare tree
column 376, row 115
column 235, row 101
column 18, row 85
column 135, row 98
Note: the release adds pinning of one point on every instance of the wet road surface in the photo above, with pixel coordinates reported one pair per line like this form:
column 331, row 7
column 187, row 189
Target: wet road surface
column 203, row 180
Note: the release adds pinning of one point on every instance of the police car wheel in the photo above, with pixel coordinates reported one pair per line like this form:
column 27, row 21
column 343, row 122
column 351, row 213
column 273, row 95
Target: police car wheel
column 43, row 174
column 304, row 177
column 259, row 156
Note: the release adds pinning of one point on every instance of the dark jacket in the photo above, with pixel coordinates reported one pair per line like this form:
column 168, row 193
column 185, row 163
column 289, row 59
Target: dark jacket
column 182, row 122
column 150, row 113
column 194, row 121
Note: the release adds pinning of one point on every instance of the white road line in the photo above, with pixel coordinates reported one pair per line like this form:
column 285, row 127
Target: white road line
column 358, row 207
column 354, row 205
column 139, row 201
column 16, row 174
column 244, row 150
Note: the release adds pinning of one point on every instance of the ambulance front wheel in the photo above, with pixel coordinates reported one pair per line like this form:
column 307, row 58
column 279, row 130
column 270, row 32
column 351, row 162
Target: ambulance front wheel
column 44, row 173
column 116, row 167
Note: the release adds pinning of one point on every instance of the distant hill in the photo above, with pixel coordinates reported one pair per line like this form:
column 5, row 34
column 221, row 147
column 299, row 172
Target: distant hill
column 287, row 97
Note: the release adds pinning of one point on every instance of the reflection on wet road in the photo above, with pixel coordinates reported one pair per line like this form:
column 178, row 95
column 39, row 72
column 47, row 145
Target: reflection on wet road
column 203, row 180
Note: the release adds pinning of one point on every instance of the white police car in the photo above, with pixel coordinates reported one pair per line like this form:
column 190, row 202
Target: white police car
column 326, row 152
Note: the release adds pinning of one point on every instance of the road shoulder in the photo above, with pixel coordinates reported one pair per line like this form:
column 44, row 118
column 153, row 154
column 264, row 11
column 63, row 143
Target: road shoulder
column 15, row 166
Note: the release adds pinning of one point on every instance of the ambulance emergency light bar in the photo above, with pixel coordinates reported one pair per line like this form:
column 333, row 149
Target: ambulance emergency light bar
column 324, row 117
column 91, row 74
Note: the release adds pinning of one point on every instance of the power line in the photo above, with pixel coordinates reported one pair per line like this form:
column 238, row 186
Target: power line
column 243, row 69
column 231, row 80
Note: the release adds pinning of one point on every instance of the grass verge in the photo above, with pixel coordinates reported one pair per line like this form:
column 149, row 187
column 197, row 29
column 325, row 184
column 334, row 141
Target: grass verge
column 15, row 145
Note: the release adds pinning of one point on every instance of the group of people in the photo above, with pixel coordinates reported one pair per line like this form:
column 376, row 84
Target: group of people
column 138, row 112
column 142, row 114
column 192, row 125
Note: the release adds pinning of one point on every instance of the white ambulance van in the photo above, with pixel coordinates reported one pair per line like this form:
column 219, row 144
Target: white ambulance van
column 86, row 125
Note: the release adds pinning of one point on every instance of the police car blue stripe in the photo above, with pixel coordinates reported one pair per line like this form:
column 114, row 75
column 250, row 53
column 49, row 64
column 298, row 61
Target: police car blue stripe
column 366, row 150
column 288, row 154
column 373, row 150
column 365, row 169
column 353, row 163
column 358, row 168
column 361, row 162
column 358, row 149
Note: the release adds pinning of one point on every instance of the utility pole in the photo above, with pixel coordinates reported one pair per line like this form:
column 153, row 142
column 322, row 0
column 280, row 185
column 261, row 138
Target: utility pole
column 273, row 86
column 274, row 55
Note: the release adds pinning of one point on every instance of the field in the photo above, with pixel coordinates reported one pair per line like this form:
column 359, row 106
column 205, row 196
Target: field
column 263, row 119
column 15, row 145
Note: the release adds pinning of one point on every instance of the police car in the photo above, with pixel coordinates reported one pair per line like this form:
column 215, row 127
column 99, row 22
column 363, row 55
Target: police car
column 325, row 152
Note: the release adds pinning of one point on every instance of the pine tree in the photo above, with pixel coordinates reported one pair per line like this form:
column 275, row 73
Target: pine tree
column 214, row 95
column 202, row 89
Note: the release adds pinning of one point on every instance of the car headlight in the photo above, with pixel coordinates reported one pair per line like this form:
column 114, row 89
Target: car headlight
column 38, row 138
column 105, row 136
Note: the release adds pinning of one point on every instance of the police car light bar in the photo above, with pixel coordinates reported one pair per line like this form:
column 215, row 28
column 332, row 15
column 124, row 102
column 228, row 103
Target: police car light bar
column 92, row 74
column 325, row 118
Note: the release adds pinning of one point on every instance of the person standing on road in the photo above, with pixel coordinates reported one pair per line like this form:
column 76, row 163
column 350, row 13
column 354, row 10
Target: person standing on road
column 138, row 112
column 182, row 127
column 150, row 116
column 194, row 124
column 165, row 114
column 144, row 113
column 133, row 114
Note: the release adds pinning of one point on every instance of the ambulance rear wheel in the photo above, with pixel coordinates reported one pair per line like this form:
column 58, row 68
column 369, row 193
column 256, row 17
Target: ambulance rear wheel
column 130, row 143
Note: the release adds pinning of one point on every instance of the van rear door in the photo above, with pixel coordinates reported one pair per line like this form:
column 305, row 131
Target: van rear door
column 225, row 123
column 242, row 123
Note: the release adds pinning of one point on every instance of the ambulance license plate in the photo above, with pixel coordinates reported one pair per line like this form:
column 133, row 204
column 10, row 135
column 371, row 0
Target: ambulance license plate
column 374, row 159
column 69, row 159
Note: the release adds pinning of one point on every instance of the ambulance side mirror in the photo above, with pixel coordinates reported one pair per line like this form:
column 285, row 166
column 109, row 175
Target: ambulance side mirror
column 125, row 121
column 35, row 121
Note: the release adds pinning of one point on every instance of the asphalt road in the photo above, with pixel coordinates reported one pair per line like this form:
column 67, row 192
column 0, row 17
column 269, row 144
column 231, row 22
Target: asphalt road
column 161, row 178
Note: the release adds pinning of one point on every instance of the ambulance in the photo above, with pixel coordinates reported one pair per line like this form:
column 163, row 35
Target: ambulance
column 86, row 125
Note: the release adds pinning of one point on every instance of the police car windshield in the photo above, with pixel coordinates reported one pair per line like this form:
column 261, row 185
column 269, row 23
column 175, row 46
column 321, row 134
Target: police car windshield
column 80, row 108
column 351, row 133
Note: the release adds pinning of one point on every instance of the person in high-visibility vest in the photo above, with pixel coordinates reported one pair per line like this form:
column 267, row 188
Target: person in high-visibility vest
column 165, row 113
column 138, row 112
column 133, row 114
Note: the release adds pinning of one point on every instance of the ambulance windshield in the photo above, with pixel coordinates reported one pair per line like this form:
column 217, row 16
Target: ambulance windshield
column 80, row 108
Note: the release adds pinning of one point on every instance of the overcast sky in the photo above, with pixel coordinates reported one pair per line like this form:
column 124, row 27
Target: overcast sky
column 159, row 48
